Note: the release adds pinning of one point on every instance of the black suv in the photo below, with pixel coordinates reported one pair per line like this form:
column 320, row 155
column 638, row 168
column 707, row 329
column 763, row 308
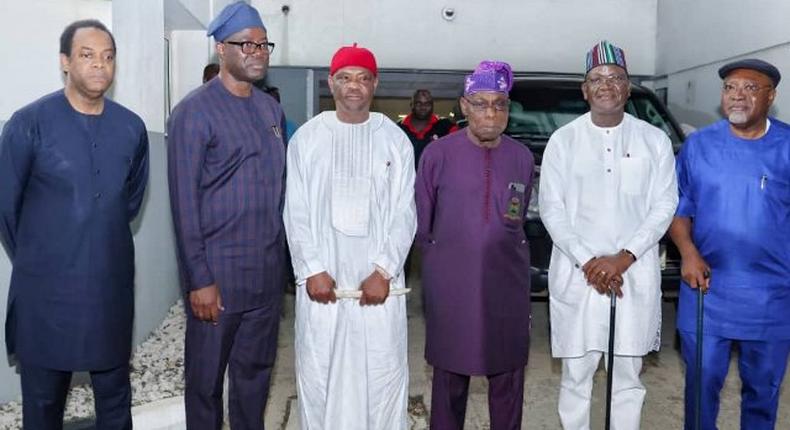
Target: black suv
column 540, row 104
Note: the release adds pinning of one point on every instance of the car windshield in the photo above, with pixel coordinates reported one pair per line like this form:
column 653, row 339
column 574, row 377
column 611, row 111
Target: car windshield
column 536, row 112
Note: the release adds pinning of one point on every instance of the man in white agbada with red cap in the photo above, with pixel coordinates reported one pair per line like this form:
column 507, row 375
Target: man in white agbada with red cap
column 350, row 220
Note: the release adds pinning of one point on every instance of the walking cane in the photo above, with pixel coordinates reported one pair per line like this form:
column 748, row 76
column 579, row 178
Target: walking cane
column 698, row 375
column 612, row 311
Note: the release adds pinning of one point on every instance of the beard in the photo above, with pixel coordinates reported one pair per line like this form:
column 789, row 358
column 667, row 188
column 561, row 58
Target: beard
column 738, row 118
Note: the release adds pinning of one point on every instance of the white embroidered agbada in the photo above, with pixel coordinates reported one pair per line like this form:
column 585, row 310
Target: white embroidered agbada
column 349, row 207
column 603, row 190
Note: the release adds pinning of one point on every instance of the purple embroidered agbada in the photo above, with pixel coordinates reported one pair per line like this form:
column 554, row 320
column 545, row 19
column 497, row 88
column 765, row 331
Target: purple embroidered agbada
column 471, row 209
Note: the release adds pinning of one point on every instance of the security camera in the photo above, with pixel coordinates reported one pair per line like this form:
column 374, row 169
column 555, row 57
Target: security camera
column 285, row 9
column 448, row 13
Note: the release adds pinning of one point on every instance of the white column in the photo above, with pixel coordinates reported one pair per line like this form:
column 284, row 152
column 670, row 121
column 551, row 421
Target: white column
column 139, row 29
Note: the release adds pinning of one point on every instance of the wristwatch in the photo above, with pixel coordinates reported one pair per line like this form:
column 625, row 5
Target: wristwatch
column 631, row 254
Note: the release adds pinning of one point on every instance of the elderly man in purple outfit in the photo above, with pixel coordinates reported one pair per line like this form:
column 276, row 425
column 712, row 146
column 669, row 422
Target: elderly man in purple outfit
column 472, row 190
column 226, row 162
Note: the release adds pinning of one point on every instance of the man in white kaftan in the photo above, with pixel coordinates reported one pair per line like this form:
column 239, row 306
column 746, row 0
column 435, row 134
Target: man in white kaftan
column 607, row 195
column 350, row 220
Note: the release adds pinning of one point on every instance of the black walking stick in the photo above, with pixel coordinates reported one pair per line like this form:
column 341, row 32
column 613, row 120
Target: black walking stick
column 698, row 375
column 612, row 311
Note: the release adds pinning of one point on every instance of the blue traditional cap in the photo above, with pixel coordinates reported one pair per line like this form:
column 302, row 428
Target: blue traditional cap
column 755, row 64
column 494, row 76
column 605, row 53
column 234, row 18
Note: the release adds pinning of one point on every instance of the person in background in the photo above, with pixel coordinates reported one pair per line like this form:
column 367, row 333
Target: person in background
column 210, row 71
column 290, row 126
column 422, row 125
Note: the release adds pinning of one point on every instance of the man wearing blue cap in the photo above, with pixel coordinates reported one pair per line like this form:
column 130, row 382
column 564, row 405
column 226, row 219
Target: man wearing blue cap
column 472, row 190
column 226, row 162
column 607, row 195
column 732, row 228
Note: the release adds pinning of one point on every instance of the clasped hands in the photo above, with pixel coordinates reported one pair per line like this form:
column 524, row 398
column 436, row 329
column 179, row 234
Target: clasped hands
column 605, row 273
column 375, row 289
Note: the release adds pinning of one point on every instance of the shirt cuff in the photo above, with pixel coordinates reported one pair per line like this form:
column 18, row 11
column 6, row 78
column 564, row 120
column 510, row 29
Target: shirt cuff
column 311, row 269
column 638, row 247
column 383, row 273
column 201, row 278
column 387, row 265
column 581, row 254
column 686, row 208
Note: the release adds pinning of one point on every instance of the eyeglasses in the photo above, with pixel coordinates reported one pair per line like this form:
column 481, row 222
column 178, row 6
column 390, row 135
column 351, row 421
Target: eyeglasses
column 611, row 79
column 750, row 88
column 480, row 106
column 249, row 47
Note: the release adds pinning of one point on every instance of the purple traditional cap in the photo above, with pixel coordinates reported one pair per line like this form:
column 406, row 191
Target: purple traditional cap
column 605, row 53
column 496, row 76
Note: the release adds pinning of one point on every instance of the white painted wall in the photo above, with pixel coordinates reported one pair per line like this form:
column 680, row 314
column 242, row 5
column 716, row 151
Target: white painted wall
column 697, row 37
column 534, row 35
column 190, row 52
column 200, row 9
column 205, row 10
column 139, row 28
column 31, row 66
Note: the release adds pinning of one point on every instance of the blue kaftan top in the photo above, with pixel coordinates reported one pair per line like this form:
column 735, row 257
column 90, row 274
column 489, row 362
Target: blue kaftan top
column 69, row 186
column 738, row 193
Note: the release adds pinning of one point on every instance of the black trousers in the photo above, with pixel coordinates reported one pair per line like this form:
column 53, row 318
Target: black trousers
column 44, row 397
column 246, row 344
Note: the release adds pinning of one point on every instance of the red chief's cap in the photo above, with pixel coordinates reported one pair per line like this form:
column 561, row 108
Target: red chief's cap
column 353, row 56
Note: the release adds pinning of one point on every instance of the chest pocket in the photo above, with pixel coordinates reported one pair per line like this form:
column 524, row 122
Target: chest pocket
column 634, row 174
column 512, row 209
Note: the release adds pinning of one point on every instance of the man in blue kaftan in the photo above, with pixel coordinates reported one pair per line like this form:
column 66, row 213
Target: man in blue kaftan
column 732, row 228
column 73, row 170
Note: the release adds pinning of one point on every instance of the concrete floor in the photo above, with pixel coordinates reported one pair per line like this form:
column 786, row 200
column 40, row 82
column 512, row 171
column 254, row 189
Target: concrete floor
column 662, row 375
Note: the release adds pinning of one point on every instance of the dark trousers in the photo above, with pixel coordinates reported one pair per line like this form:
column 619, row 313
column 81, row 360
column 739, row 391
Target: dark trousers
column 450, row 391
column 245, row 343
column 761, row 365
column 44, row 397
